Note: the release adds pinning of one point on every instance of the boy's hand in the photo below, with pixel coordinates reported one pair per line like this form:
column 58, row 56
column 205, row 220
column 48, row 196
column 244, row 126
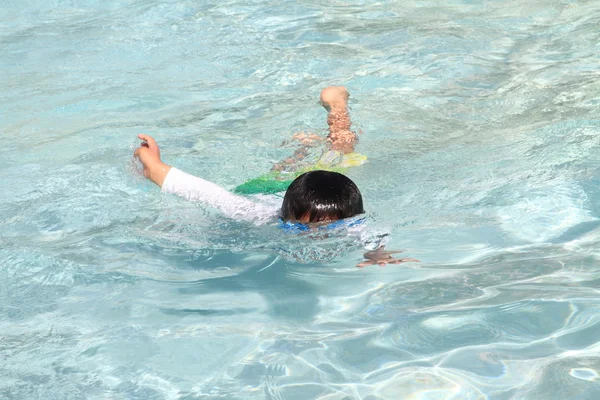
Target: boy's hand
column 149, row 155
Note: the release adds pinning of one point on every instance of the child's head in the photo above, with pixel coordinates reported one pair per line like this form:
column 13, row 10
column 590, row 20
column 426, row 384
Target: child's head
column 321, row 196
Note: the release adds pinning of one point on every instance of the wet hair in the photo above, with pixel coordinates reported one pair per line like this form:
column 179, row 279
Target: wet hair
column 321, row 196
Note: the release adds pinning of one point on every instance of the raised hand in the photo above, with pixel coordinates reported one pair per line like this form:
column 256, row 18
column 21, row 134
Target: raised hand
column 149, row 155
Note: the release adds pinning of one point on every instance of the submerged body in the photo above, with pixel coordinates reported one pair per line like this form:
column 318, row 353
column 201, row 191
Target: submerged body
column 277, row 181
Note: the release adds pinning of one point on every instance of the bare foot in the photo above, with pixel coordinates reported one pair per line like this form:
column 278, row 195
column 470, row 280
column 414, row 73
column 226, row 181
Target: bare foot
column 334, row 97
column 307, row 139
column 381, row 257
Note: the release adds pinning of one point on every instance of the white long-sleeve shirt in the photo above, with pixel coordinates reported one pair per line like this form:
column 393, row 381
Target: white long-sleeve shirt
column 193, row 188
column 265, row 208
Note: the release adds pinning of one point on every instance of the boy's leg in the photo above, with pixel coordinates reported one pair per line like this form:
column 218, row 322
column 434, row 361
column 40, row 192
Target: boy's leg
column 299, row 155
column 335, row 101
column 341, row 138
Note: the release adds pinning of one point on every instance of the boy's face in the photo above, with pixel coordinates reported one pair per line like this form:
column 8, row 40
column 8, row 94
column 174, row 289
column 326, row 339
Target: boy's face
column 305, row 219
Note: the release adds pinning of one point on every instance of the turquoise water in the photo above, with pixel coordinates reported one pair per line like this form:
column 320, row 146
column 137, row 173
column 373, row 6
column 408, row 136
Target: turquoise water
column 480, row 120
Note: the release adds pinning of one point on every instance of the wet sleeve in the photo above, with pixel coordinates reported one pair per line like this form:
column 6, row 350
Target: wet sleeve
column 193, row 188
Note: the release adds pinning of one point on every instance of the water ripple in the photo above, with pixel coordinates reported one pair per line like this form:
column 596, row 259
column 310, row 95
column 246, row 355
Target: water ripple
column 480, row 121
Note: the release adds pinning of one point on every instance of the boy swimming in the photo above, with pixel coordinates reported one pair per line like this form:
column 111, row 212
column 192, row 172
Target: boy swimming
column 313, row 195
column 318, row 197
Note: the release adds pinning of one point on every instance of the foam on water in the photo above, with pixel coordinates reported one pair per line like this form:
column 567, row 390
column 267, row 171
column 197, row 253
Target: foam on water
column 480, row 120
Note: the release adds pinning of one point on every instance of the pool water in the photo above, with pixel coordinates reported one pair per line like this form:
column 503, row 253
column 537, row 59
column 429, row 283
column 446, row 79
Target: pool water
column 481, row 123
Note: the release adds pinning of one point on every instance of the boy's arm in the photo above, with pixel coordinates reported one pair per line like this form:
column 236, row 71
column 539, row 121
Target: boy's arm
column 190, row 187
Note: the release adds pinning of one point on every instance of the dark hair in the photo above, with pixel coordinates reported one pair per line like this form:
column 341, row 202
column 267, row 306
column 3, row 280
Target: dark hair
column 321, row 196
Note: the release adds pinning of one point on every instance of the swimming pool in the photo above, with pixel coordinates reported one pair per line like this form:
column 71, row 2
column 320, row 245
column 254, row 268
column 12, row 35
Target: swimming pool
column 480, row 120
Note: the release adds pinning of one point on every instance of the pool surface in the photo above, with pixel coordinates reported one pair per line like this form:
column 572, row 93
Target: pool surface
column 481, row 121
